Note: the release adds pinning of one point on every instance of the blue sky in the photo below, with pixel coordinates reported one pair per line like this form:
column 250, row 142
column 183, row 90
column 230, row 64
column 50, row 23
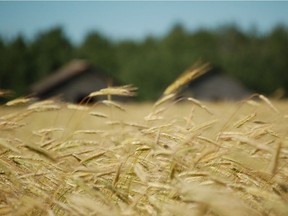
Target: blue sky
column 135, row 19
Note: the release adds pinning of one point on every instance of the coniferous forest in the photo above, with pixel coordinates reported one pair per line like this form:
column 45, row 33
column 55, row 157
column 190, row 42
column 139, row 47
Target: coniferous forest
column 259, row 61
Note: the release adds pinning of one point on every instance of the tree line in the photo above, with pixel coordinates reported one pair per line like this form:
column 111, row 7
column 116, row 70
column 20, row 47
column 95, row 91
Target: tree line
column 259, row 61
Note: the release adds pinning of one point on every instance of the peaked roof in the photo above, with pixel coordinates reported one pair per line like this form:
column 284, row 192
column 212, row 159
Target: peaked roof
column 216, row 85
column 72, row 69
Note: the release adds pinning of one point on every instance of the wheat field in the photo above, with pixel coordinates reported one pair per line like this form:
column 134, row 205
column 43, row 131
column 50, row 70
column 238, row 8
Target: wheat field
column 166, row 158
column 172, row 157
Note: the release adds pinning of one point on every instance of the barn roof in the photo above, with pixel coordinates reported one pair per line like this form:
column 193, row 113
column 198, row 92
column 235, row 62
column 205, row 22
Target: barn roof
column 216, row 85
column 72, row 69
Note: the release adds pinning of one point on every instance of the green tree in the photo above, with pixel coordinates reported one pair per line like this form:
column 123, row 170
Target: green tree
column 238, row 55
column 100, row 51
column 259, row 61
column 2, row 62
column 14, row 66
column 140, row 64
column 204, row 45
column 50, row 50
column 276, row 53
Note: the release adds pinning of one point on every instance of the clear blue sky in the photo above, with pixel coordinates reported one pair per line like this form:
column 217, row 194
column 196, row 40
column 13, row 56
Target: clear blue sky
column 135, row 20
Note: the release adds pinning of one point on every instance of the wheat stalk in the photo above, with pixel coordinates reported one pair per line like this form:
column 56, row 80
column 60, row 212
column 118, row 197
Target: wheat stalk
column 190, row 74
column 127, row 90
column 18, row 101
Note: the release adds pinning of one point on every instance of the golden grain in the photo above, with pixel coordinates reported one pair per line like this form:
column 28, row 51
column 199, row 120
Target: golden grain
column 10, row 125
column 113, row 104
column 176, row 160
column 41, row 152
column 18, row 101
column 40, row 104
column 164, row 99
column 190, row 74
column 97, row 114
column 117, row 176
column 88, row 132
column 93, row 157
column 8, row 144
column 140, row 172
column 244, row 120
column 203, row 126
column 46, row 131
column 77, row 107
column 127, row 90
column 275, row 159
column 268, row 102
column 209, row 195
column 201, row 105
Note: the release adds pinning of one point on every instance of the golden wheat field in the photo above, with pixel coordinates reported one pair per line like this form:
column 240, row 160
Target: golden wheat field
column 171, row 157
column 167, row 158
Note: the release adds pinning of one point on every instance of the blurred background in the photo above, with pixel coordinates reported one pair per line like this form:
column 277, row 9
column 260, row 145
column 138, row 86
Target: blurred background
column 147, row 44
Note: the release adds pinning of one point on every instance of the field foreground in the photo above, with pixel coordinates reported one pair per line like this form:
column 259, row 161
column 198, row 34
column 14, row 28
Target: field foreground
column 138, row 159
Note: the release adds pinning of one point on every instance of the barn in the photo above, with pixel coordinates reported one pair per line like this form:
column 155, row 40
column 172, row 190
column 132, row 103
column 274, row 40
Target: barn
column 215, row 85
column 71, row 83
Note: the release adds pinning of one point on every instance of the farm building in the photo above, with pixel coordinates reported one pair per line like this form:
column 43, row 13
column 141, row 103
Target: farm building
column 215, row 85
column 72, row 83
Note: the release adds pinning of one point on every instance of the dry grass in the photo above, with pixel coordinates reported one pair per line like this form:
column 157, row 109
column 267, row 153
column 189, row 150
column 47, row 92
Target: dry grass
column 167, row 158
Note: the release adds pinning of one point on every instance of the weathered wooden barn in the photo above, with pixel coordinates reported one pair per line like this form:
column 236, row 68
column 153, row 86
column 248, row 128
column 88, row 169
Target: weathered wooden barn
column 215, row 85
column 72, row 83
